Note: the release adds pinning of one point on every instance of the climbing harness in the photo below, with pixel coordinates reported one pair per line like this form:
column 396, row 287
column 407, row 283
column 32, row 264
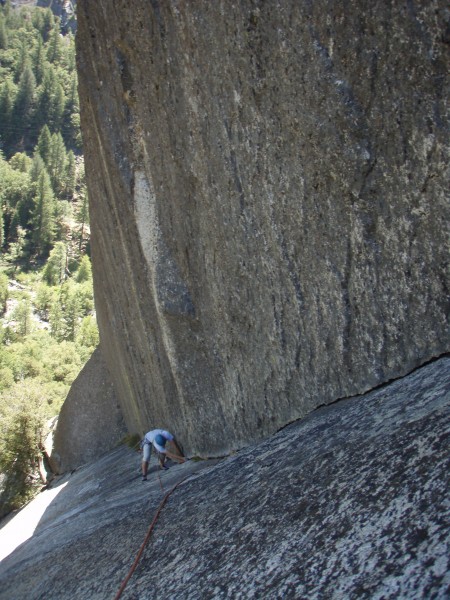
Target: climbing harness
column 147, row 537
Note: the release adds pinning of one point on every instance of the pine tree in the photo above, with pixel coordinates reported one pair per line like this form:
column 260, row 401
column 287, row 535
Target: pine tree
column 25, row 101
column 21, row 62
column 52, row 100
column 26, row 92
column 66, row 312
column 43, row 21
column 71, row 118
column 55, row 269
column 56, row 108
column 44, row 143
column 38, row 60
column 12, row 16
column 45, row 93
column 70, row 175
column 72, row 101
column 82, row 215
column 2, row 233
column 17, row 248
column 37, row 166
column 15, row 193
column 37, row 18
column 84, row 272
column 73, row 311
column 54, row 48
column 42, row 219
column 22, row 316
column 7, row 100
column 57, row 163
column 4, row 292
column 21, row 218
column 70, row 54
column 3, row 35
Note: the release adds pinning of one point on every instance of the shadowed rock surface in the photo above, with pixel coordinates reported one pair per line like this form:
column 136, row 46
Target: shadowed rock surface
column 268, row 186
column 90, row 422
column 351, row 502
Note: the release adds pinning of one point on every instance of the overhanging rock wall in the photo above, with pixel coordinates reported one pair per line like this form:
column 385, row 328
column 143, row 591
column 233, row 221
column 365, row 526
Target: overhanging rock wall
column 269, row 204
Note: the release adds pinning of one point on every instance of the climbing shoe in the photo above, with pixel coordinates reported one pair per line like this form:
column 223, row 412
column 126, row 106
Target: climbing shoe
column 144, row 479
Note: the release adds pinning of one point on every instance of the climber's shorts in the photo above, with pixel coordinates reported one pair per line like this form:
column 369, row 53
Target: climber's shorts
column 146, row 451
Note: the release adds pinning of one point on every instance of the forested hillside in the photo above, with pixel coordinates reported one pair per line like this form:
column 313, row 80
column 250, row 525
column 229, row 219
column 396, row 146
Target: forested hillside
column 47, row 320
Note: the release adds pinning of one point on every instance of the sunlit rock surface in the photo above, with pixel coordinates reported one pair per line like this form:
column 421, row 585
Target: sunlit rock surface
column 268, row 185
column 351, row 502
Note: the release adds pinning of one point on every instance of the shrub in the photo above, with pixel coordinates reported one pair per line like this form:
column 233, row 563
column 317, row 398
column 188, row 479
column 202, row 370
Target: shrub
column 22, row 429
column 3, row 292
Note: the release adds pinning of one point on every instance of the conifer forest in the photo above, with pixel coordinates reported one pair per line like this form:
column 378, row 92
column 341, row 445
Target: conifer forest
column 47, row 320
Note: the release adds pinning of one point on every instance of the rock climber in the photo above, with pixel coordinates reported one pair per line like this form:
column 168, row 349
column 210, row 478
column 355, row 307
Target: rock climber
column 158, row 438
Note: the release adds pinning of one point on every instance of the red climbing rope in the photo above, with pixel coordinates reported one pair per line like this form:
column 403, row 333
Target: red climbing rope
column 147, row 537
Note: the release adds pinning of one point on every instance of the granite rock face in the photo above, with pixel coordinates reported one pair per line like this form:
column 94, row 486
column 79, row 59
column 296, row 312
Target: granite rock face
column 350, row 502
column 269, row 204
column 90, row 422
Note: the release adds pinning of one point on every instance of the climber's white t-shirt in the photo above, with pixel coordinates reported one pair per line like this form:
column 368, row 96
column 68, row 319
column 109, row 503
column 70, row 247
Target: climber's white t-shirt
column 150, row 437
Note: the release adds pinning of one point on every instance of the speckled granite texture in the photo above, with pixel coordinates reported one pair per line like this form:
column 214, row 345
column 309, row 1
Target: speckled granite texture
column 268, row 186
column 352, row 502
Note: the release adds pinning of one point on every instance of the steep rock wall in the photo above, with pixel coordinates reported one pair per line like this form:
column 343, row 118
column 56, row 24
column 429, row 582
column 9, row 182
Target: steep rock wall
column 90, row 422
column 269, row 204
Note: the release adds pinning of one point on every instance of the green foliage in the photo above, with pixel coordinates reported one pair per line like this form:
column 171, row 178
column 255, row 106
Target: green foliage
column 8, row 93
column 38, row 59
column 51, row 100
column 2, row 227
column 24, row 105
column 3, row 35
column 6, row 378
column 87, row 338
column 43, row 144
column 70, row 175
column 44, row 300
column 84, row 272
column 47, row 327
column 17, row 248
column 21, row 162
column 37, row 367
column 39, row 130
column 54, row 50
column 43, row 21
column 56, row 164
column 43, row 214
column 73, row 302
column 63, row 362
column 38, row 71
column 22, row 416
column 3, row 292
column 55, row 268
column 22, row 317
column 16, row 192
